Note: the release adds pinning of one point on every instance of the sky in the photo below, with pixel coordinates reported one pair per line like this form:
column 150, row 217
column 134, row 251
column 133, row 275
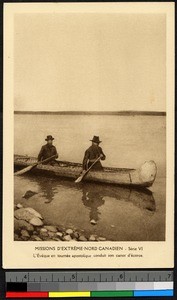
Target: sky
column 89, row 62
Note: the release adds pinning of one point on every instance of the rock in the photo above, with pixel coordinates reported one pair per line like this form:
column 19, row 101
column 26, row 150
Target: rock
column 92, row 238
column 36, row 238
column 23, row 214
column 51, row 234
column 21, row 224
column 24, row 238
column 59, row 234
column 51, row 228
column 76, row 235
column 34, row 212
column 16, row 237
column 42, row 230
column 36, row 221
column 69, row 231
column 56, row 239
column 30, row 215
column 112, row 226
column 67, row 237
column 45, row 238
column 82, row 238
column 93, row 222
column 60, row 228
column 43, row 234
column 16, row 225
column 101, row 239
column 19, row 205
column 28, row 194
column 24, row 233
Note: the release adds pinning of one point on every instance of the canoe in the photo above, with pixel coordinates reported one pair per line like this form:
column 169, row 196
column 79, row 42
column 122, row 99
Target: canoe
column 141, row 177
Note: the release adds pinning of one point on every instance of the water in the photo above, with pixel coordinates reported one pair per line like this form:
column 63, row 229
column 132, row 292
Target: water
column 128, row 141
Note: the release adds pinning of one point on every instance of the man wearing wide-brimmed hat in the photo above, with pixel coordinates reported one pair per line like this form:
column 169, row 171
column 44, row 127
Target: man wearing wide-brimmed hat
column 48, row 150
column 92, row 154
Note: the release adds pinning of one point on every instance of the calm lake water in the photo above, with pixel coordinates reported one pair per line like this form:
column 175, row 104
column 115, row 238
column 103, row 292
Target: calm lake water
column 128, row 141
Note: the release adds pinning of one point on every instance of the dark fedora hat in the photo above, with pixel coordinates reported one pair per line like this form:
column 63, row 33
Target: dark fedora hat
column 96, row 139
column 49, row 138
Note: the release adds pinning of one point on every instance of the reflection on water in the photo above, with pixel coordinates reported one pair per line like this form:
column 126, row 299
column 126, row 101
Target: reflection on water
column 48, row 188
column 131, row 212
column 94, row 198
column 92, row 195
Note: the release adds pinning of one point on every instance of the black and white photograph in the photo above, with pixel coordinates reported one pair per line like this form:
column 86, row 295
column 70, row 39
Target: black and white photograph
column 90, row 127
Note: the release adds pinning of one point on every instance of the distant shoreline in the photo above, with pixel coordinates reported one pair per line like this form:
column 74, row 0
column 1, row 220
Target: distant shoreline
column 100, row 113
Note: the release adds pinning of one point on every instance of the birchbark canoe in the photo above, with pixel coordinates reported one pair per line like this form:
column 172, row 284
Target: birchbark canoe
column 141, row 177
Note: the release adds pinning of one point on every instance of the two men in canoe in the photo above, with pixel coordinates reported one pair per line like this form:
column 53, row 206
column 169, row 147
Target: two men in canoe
column 93, row 153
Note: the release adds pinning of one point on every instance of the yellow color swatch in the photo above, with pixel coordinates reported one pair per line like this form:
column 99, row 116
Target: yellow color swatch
column 68, row 294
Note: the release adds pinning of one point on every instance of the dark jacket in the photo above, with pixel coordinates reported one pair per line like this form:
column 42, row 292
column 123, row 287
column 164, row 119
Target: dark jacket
column 47, row 151
column 91, row 154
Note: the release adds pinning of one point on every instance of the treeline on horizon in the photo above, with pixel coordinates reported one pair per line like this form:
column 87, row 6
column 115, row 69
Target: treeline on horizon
column 114, row 113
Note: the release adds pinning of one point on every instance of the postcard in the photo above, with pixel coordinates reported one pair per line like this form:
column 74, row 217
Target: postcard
column 88, row 155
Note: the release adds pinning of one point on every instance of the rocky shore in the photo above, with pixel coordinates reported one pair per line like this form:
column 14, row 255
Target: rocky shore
column 29, row 225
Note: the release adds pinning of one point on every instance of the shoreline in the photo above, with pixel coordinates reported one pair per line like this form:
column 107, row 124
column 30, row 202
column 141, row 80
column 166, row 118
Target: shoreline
column 94, row 113
column 29, row 225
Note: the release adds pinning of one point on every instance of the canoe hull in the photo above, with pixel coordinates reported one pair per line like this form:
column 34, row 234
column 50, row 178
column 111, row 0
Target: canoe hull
column 142, row 177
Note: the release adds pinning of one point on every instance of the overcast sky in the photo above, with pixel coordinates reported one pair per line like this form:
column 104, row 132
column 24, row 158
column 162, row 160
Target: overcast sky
column 97, row 62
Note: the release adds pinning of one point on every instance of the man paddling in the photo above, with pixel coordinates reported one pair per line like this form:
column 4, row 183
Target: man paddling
column 92, row 154
column 48, row 150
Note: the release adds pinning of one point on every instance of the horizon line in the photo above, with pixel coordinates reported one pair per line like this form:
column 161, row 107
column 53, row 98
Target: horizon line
column 122, row 112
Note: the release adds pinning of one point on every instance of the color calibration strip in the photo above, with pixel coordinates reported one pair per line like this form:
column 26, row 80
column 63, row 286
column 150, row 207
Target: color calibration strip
column 123, row 289
column 63, row 284
column 108, row 294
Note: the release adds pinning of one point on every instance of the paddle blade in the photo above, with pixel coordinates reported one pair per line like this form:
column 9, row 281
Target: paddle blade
column 23, row 170
column 79, row 179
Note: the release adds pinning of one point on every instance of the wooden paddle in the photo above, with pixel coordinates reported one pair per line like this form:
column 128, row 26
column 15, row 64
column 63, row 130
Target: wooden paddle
column 79, row 179
column 27, row 169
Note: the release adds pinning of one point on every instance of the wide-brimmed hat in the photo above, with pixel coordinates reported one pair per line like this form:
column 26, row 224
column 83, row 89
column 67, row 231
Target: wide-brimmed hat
column 49, row 138
column 96, row 139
